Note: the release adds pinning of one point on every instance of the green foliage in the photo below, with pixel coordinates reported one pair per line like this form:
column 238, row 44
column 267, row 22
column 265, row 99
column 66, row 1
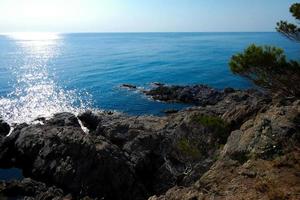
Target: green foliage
column 215, row 124
column 267, row 67
column 290, row 30
column 188, row 148
column 295, row 10
column 257, row 57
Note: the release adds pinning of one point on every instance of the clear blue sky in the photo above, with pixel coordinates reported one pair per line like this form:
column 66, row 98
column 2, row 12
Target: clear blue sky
column 142, row 15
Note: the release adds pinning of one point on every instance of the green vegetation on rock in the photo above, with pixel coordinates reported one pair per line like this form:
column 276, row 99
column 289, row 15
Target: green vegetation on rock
column 215, row 124
column 188, row 148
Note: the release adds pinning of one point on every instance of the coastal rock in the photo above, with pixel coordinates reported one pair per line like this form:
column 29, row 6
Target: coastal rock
column 197, row 94
column 241, row 138
column 89, row 120
column 171, row 111
column 66, row 156
column 64, row 119
column 269, row 134
column 4, row 128
column 29, row 189
column 258, row 161
column 7, row 148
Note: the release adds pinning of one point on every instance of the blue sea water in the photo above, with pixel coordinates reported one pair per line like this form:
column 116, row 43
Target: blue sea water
column 41, row 74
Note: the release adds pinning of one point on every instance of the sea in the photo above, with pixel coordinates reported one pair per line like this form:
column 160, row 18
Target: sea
column 45, row 73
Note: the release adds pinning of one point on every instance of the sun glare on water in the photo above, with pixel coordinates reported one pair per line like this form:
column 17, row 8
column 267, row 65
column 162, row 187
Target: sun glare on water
column 35, row 93
column 34, row 36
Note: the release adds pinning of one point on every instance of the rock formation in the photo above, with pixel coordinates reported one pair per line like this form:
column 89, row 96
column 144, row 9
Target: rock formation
column 230, row 144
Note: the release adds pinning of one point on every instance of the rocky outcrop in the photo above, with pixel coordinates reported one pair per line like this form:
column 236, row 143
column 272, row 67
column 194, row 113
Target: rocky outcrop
column 4, row 128
column 197, row 94
column 60, row 153
column 237, row 144
column 122, row 157
column 30, row 190
column 259, row 161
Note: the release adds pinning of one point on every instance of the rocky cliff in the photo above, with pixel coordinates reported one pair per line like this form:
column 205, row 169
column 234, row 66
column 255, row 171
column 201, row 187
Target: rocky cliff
column 230, row 144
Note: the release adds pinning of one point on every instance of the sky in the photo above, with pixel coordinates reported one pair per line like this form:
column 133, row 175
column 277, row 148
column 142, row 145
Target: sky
column 142, row 15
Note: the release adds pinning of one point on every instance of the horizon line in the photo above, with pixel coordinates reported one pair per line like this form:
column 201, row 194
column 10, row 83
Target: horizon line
column 103, row 32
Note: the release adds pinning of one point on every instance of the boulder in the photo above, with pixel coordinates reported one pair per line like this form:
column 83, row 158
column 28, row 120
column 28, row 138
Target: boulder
column 65, row 156
column 64, row 119
column 4, row 128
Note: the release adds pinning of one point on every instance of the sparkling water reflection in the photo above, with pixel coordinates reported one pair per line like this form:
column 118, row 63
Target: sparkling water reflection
column 35, row 92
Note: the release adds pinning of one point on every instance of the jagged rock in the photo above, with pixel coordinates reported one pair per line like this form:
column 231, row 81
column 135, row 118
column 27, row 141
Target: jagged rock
column 259, row 161
column 79, row 163
column 4, row 128
column 237, row 137
column 29, row 189
column 64, row 119
column 198, row 94
column 269, row 134
column 89, row 120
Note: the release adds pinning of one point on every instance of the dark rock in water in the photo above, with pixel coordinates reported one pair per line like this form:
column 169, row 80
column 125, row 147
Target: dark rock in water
column 198, row 94
column 4, row 128
column 157, row 84
column 171, row 111
column 129, row 86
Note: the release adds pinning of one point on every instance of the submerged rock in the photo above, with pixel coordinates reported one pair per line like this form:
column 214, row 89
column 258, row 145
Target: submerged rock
column 129, row 86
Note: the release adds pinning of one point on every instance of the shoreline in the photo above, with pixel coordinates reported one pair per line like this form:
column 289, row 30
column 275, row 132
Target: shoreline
column 191, row 153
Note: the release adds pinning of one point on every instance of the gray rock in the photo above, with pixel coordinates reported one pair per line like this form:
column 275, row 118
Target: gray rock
column 79, row 163
column 198, row 94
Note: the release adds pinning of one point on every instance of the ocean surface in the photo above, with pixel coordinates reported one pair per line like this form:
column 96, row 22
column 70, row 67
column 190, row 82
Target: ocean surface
column 45, row 73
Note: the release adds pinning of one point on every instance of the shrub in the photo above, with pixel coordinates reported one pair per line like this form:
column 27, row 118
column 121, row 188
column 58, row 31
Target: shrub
column 215, row 124
column 267, row 67
column 188, row 148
